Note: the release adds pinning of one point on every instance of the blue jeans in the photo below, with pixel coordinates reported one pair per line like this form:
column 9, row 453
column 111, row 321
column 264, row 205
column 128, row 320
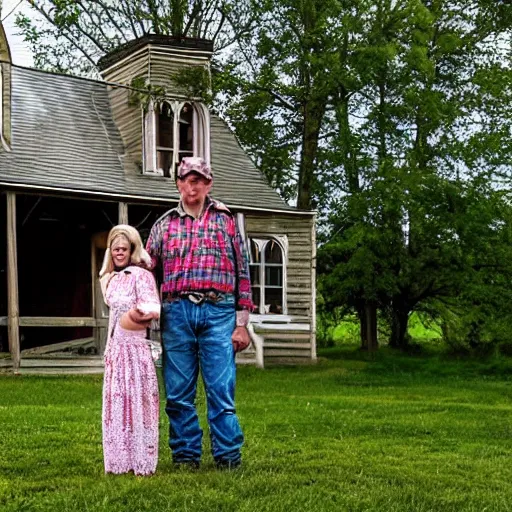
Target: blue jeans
column 199, row 337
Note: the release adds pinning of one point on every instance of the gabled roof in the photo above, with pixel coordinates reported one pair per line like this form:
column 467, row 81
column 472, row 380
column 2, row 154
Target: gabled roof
column 64, row 138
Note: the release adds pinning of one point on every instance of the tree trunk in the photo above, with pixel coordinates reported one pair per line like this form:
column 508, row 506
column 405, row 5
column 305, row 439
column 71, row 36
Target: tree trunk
column 368, row 326
column 313, row 115
column 313, row 100
column 363, row 327
column 371, row 329
column 399, row 322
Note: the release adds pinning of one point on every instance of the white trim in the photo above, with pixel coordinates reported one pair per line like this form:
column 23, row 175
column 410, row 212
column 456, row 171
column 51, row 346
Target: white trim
column 5, row 145
column 195, row 131
column 240, row 222
column 260, row 244
column 179, row 52
column 149, row 135
column 313, row 289
column 200, row 135
column 203, row 127
column 282, row 240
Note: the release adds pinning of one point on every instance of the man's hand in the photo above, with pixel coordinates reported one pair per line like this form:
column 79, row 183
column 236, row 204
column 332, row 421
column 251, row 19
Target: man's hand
column 240, row 338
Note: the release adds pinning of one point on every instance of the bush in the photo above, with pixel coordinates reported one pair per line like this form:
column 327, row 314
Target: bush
column 477, row 332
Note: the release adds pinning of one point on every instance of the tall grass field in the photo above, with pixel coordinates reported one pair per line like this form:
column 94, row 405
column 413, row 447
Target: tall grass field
column 351, row 433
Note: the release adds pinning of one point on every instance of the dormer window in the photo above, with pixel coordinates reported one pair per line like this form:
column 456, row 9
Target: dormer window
column 186, row 127
column 165, row 139
column 173, row 130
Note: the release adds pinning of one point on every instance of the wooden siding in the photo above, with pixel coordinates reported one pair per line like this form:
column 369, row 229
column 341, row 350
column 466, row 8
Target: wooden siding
column 294, row 341
column 164, row 62
column 298, row 268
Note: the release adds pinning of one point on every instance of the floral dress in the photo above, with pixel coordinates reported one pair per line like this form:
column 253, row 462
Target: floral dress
column 130, row 386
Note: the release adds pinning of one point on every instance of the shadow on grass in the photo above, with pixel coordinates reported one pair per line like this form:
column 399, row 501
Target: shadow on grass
column 425, row 361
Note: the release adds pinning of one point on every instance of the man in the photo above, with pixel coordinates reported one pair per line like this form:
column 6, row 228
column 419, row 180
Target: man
column 206, row 300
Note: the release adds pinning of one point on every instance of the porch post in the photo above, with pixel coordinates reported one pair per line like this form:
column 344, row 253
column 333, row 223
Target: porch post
column 313, row 288
column 13, row 313
column 123, row 213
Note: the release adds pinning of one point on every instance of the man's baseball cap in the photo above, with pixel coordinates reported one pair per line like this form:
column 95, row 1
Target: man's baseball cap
column 194, row 164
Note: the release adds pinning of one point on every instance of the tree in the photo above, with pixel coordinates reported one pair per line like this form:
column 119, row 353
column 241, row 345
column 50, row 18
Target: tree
column 73, row 35
column 279, row 87
column 420, row 156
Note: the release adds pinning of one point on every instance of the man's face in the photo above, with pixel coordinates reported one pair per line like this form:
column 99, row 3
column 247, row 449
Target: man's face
column 193, row 189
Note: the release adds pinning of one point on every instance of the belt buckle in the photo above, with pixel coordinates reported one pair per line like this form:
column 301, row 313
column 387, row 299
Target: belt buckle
column 196, row 298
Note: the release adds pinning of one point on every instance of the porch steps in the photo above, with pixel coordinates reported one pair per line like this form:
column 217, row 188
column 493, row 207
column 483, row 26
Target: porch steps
column 55, row 365
column 285, row 342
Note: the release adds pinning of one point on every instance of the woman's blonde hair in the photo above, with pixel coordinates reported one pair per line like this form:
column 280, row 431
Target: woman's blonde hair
column 138, row 255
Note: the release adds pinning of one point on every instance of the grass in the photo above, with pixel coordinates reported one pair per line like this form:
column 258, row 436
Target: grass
column 354, row 433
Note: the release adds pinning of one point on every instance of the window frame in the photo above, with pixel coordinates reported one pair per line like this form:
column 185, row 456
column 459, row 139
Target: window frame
column 200, row 135
column 261, row 241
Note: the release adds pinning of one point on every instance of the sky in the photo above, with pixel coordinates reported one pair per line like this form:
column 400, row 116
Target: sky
column 20, row 51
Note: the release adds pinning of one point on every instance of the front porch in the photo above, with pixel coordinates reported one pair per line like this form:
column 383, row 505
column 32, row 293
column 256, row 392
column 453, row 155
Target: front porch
column 51, row 307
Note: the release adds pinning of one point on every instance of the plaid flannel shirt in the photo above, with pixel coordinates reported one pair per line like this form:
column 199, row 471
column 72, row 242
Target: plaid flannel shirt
column 202, row 254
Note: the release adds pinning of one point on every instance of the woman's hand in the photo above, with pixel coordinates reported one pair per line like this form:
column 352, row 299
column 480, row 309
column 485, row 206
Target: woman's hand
column 140, row 316
column 135, row 320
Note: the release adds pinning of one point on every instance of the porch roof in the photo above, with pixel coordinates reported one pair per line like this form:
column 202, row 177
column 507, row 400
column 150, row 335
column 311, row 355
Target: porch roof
column 64, row 138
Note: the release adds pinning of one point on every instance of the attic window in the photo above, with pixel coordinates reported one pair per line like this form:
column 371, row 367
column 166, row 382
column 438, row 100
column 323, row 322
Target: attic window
column 165, row 139
column 172, row 131
column 186, row 128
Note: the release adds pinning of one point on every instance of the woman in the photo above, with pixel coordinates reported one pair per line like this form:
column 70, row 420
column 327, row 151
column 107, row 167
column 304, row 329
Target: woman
column 130, row 386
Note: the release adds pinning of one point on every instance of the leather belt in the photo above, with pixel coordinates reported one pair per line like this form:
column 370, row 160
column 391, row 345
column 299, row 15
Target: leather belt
column 194, row 297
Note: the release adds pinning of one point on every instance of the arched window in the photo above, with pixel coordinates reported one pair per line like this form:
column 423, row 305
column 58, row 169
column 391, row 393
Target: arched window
column 267, row 267
column 165, row 139
column 186, row 131
column 173, row 131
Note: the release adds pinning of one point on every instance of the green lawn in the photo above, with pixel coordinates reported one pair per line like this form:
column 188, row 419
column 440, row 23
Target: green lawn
column 408, row 433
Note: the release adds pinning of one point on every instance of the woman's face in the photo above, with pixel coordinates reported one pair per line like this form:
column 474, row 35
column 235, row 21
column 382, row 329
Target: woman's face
column 120, row 250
